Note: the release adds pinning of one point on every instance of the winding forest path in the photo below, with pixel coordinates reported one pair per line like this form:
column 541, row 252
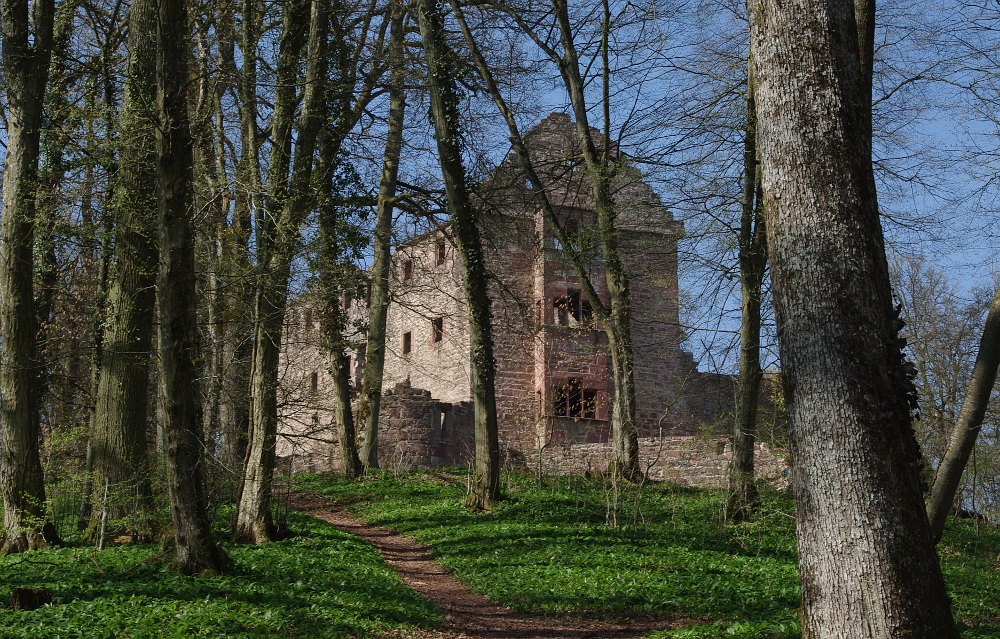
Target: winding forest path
column 466, row 615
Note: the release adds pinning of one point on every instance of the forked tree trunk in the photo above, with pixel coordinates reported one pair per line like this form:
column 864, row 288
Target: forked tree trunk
column 601, row 169
column 27, row 43
column 866, row 559
column 120, row 460
column 966, row 429
column 288, row 201
column 742, row 497
column 441, row 71
column 195, row 551
column 614, row 315
column 370, row 402
column 234, row 415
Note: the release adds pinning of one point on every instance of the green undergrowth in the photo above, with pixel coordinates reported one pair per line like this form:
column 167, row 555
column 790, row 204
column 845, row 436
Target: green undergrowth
column 318, row 583
column 548, row 548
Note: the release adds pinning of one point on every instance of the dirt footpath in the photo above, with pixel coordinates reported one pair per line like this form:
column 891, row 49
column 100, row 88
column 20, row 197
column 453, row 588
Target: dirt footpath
column 466, row 614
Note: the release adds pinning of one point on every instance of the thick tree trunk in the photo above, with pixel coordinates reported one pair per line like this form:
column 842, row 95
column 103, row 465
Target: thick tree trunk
column 27, row 44
column 444, row 114
column 120, row 459
column 753, row 261
column 369, row 404
column 867, row 562
column 966, row 428
column 195, row 551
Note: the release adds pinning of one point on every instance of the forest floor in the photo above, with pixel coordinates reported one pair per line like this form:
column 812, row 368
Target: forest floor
column 466, row 614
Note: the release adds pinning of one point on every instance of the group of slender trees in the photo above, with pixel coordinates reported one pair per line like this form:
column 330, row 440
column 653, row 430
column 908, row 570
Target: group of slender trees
column 166, row 162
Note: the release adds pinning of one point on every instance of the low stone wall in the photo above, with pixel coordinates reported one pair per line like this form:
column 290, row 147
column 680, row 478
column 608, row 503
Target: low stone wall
column 691, row 460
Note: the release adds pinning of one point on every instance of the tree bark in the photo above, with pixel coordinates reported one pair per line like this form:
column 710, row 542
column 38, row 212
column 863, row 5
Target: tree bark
column 195, row 551
column 370, row 401
column 742, row 497
column 27, row 44
column 444, row 114
column 120, row 460
column 966, row 428
column 866, row 559
column 288, row 201
column 617, row 316
column 235, row 401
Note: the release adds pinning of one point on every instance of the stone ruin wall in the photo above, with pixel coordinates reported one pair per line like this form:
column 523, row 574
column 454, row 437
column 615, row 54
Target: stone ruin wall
column 417, row 431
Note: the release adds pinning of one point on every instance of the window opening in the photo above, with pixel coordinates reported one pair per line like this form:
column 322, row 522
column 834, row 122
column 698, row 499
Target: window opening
column 407, row 342
column 573, row 400
column 441, row 252
column 437, row 329
column 407, row 270
column 314, row 381
column 307, row 319
column 571, row 309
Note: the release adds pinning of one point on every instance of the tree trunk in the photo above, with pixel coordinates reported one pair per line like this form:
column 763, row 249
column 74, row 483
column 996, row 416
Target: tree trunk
column 441, row 70
column 966, row 428
column 195, row 551
column 370, row 401
column 120, row 459
column 742, row 497
column 866, row 559
column 624, row 463
column 278, row 224
column 27, row 43
column 340, row 370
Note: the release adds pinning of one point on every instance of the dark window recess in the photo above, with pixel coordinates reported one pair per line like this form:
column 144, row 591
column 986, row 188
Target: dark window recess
column 307, row 319
column 407, row 270
column 314, row 381
column 347, row 301
column 437, row 329
column 407, row 342
column 572, row 309
column 571, row 228
column 441, row 252
column 573, row 400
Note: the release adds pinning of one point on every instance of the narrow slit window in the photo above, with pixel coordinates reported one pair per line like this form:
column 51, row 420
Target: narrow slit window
column 441, row 252
column 407, row 342
column 314, row 381
column 407, row 270
column 437, row 329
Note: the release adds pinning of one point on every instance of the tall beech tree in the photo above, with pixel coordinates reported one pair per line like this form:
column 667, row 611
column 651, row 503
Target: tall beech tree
column 378, row 304
column 866, row 557
column 195, row 551
column 555, row 35
column 26, row 34
column 286, row 204
column 290, row 195
column 121, row 482
column 441, row 80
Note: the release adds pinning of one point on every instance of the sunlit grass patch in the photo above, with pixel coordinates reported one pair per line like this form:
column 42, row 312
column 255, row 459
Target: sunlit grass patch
column 318, row 583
